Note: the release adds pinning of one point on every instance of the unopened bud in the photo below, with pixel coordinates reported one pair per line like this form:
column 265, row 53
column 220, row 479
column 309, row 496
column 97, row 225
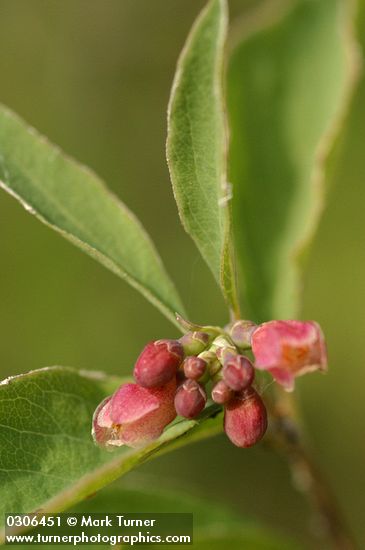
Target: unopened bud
column 194, row 343
column 223, row 349
column 245, row 418
column 238, row 373
column 158, row 363
column 221, row 393
column 190, row 399
column 241, row 333
column 194, row 367
column 226, row 354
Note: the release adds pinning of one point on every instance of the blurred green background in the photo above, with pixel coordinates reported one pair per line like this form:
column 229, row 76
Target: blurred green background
column 94, row 76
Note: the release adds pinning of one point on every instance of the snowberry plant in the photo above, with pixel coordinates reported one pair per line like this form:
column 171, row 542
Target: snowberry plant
column 251, row 119
column 172, row 375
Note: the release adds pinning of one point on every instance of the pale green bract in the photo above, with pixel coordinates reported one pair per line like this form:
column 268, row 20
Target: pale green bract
column 288, row 85
column 196, row 145
column 73, row 200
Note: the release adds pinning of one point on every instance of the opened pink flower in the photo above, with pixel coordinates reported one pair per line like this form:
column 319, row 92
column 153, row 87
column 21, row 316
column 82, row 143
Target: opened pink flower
column 288, row 349
column 134, row 415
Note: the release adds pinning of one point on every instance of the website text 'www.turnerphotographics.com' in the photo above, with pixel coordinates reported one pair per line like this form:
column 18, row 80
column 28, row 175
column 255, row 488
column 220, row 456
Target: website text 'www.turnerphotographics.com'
column 112, row 529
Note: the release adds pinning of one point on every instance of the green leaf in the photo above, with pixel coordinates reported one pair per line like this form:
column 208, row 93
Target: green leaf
column 48, row 460
column 196, row 145
column 288, row 86
column 73, row 200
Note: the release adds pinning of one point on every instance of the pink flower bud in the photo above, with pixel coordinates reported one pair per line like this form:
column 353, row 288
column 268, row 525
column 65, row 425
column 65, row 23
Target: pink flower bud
column 241, row 333
column 194, row 343
column 134, row 415
column 221, row 393
column 190, row 399
column 194, row 367
column 245, row 418
column 158, row 363
column 238, row 373
column 288, row 349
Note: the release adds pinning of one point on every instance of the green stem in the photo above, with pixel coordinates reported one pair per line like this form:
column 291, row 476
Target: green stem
column 287, row 438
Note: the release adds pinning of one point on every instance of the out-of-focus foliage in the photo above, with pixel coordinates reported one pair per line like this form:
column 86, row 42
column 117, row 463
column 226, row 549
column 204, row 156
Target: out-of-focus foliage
column 288, row 86
column 214, row 525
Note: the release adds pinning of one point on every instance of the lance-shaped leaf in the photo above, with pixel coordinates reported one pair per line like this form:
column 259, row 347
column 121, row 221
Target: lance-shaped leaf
column 288, row 85
column 73, row 201
column 196, row 144
column 48, row 460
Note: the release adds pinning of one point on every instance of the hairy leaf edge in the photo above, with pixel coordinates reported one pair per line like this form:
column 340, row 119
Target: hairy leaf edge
column 228, row 282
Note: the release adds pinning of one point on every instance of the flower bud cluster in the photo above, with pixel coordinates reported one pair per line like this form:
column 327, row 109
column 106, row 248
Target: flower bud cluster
column 175, row 377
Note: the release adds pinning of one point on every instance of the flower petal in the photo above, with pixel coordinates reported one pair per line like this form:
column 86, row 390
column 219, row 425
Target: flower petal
column 151, row 426
column 102, row 424
column 131, row 402
column 289, row 349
